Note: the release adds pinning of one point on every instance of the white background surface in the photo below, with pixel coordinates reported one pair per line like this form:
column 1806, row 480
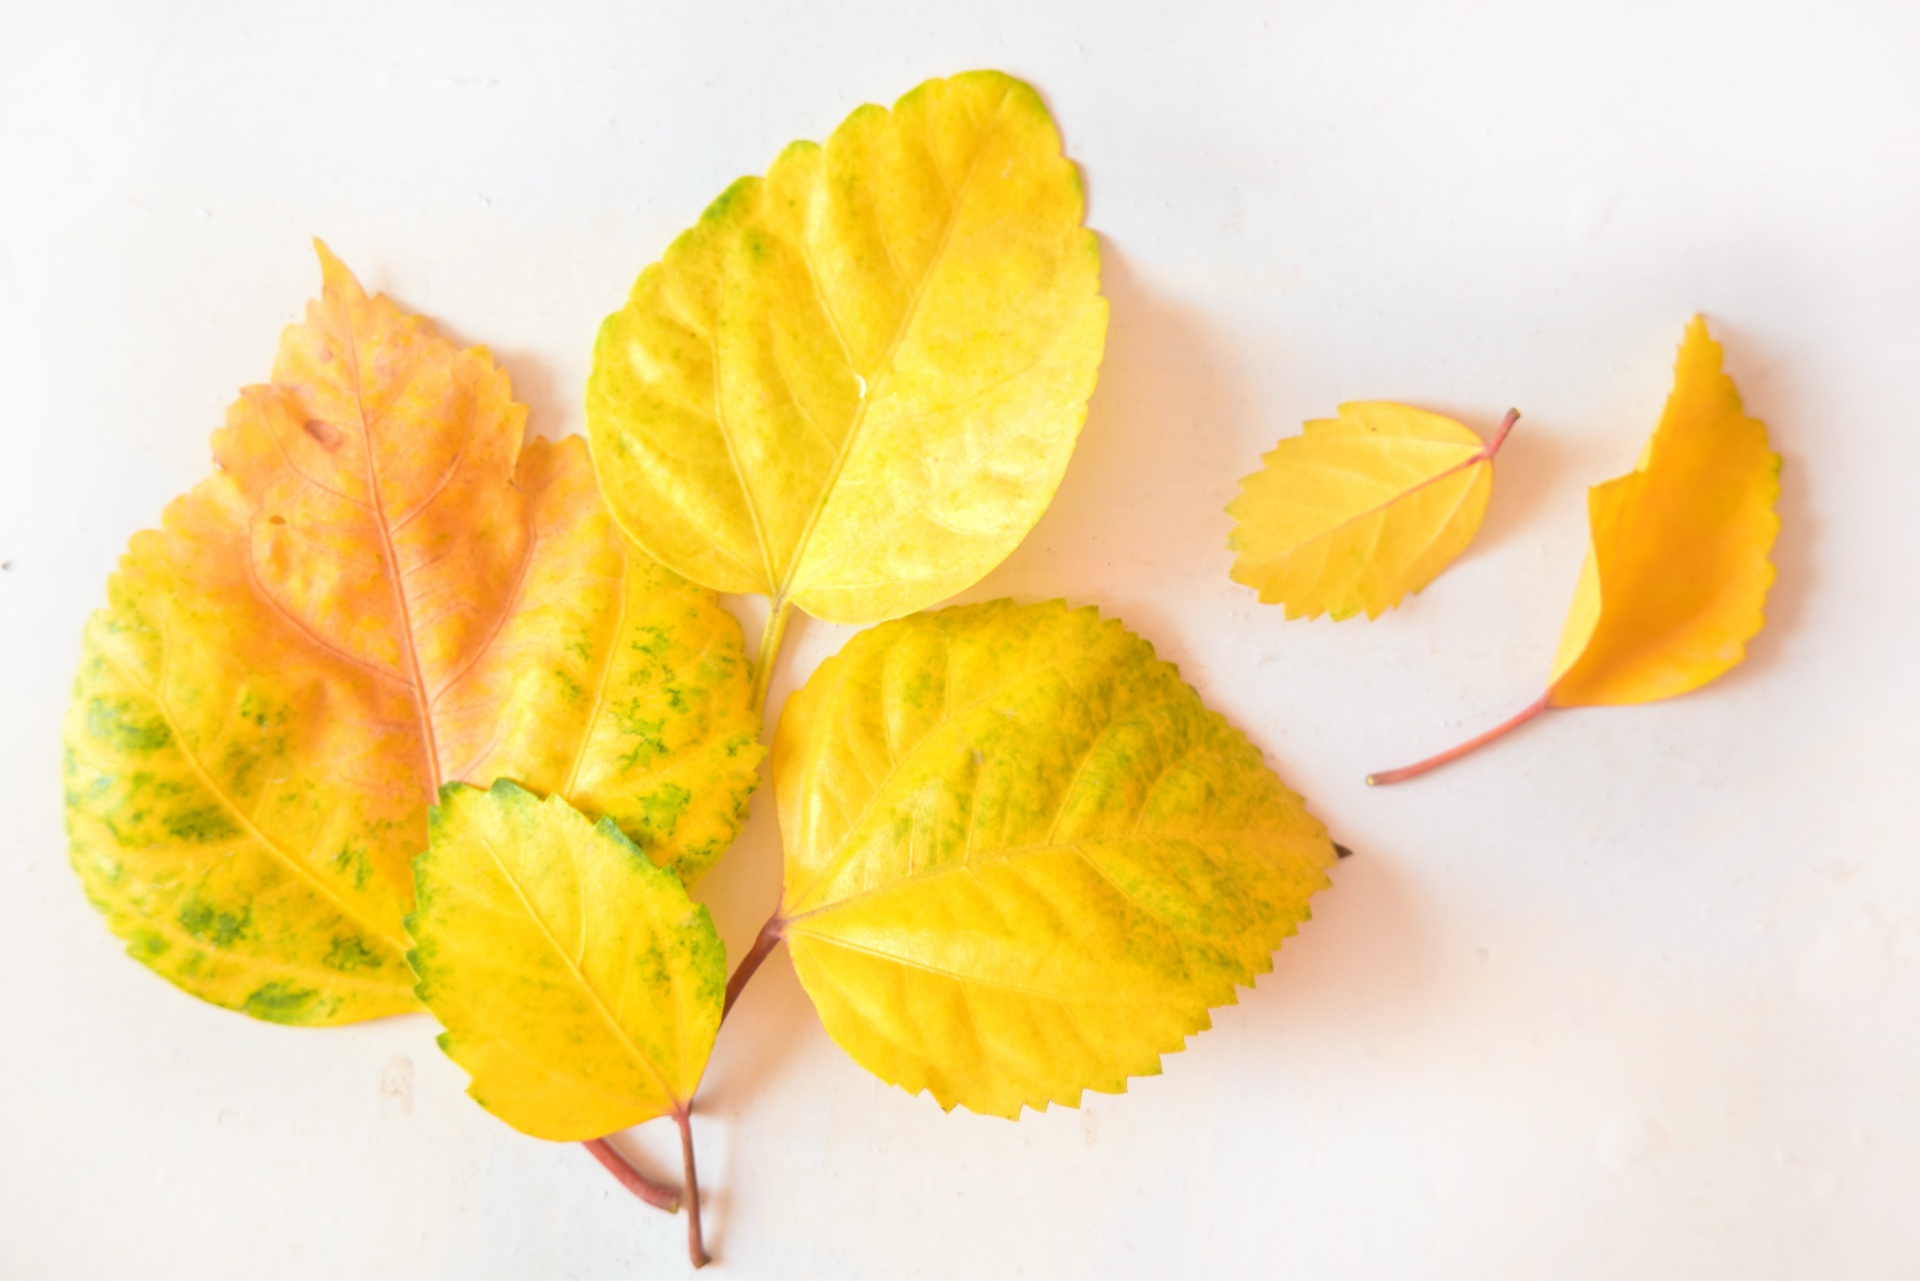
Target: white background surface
column 1633, row 992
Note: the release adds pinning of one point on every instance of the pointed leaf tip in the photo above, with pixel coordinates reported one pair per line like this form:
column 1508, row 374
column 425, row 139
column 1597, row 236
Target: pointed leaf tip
column 335, row 275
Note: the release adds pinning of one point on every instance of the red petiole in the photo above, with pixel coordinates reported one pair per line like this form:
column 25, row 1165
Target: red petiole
column 1455, row 753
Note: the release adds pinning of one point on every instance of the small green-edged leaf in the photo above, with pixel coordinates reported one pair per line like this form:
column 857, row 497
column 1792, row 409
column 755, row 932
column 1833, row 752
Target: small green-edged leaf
column 579, row 986
column 1022, row 859
column 854, row 385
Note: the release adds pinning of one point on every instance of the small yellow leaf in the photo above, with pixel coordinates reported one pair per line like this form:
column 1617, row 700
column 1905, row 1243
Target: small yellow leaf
column 379, row 591
column 1677, row 570
column 1359, row 510
column 854, row 385
column 579, row 985
column 1022, row 859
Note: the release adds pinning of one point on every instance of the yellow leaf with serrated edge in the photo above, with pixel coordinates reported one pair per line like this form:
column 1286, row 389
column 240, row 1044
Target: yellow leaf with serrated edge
column 854, row 385
column 1359, row 510
column 1677, row 571
column 1022, row 859
column 1676, row 575
column 579, row 985
column 379, row 591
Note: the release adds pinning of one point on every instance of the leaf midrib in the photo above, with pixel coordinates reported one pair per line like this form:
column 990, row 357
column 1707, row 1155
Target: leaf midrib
column 410, row 648
column 1078, row 848
column 883, row 371
column 952, row 719
column 579, row 976
column 1010, row 854
column 606, row 679
column 1478, row 456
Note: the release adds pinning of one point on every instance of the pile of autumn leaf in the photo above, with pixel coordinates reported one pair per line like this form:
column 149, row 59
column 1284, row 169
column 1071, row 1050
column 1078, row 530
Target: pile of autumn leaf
column 400, row 709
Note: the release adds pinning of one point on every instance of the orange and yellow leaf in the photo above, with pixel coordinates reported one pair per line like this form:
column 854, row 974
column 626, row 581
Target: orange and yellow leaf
column 378, row 592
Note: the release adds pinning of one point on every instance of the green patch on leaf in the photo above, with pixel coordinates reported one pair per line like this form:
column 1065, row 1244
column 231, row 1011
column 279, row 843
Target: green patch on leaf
column 282, row 1002
column 202, row 825
column 350, row 952
column 660, row 810
column 211, row 925
column 112, row 724
column 648, row 735
column 654, row 642
column 353, row 860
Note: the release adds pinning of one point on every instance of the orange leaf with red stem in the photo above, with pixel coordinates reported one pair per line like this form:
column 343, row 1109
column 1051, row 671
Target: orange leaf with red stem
column 1677, row 570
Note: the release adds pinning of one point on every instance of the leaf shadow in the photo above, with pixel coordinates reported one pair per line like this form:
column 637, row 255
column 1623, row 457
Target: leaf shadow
column 773, row 1013
column 530, row 375
column 1167, row 424
column 652, row 1148
column 1765, row 377
column 1524, row 473
column 548, row 414
column 1363, row 967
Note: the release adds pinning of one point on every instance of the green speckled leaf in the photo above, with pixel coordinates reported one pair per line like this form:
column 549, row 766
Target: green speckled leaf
column 579, row 985
column 1022, row 859
column 640, row 714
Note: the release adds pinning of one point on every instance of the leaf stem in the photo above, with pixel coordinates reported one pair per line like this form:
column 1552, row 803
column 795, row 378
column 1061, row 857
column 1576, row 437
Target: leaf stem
column 1500, row 434
column 696, row 1245
column 776, row 631
column 763, row 944
column 657, row 1195
column 1405, row 772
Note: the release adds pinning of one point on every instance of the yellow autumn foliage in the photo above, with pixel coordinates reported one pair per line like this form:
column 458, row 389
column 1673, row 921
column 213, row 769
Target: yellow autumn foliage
column 1359, row 510
column 1022, row 859
column 579, row 985
column 854, row 385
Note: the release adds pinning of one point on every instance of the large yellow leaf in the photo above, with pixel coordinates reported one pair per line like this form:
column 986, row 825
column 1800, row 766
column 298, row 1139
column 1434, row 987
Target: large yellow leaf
column 854, row 385
column 1676, row 575
column 380, row 591
column 1359, row 510
column 1022, row 859
column 579, row 986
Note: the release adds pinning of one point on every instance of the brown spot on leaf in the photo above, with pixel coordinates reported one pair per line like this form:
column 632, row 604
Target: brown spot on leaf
column 329, row 436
